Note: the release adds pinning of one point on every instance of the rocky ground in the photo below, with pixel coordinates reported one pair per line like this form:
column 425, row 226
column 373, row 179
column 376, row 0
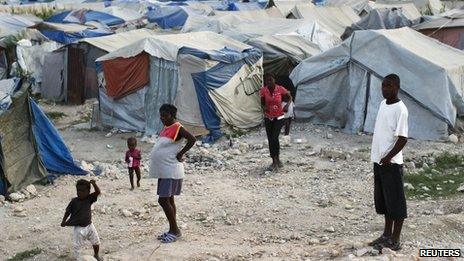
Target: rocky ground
column 320, row 206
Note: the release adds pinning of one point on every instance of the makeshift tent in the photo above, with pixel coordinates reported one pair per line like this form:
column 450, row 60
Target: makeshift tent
column 342, row 87
column 285, row 7
column 448, row 29
column 246, row 28
column 425, row 6
column 408, row 9
column 272, row 12
column 250, row 6
column 84, row 16
column 71, row 74
column 211, row 79
column 30, row 146
column 359, row 6
column 126, row 14
column 174, row 17
column 332, row 19
column 70, row 33
column 12, row 24
column 380, row 19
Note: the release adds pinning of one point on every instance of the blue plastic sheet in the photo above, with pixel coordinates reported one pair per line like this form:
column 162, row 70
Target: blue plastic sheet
column 167, row 17
column 54, row 154
column 230, row 62
column 67, row 38
column 89, row 16
column 252, row 6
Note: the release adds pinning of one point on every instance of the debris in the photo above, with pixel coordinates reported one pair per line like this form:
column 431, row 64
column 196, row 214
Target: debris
column 453, row 138
column 2, row 198
column 461, row 188
column 314, row 241
column 408, row 186
column 18, row 209
column 329, row 136
column 361, row 252
column 126, row 213
column 410, row 165
column 16, row 197
column 330, row 229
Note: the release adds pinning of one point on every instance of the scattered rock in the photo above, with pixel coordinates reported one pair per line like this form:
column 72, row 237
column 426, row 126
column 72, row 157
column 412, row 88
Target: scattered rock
column 2, row 199
column 16, row 197
column 461, row 188
column 314, row 241
column 330, row 229
column 333, row 153
column 31, row 189
column 87, row 258
column 126, row 213
column 206, row 145
column 348, row 207
column 329, row 136
column 453, row 138
column 18, row 209
column 408, row 186
column 361, row 252
column 425, row 166
column 424, row 188
column 410, row 165
column 20, row 214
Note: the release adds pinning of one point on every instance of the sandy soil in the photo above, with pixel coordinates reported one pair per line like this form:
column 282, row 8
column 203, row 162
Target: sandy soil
column 313, row 209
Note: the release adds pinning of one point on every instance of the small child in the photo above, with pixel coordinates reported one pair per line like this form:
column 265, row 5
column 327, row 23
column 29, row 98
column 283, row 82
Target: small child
column 133, row 157
column 166, row 165
column 81, row 217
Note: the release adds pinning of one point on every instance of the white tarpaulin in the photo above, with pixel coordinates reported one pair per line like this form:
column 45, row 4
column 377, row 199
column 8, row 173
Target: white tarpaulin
column 113, row 42
column 11, row 24
column 337, row 86
column 424, row 6
column 359, row 6
column 409, row 9
column 332, row 19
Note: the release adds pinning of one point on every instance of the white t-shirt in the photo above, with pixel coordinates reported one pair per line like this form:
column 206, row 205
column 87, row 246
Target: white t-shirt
column 391, row 122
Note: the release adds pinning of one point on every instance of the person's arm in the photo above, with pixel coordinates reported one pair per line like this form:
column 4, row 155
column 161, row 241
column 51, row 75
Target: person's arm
column 399, row 145
column 288, row 99
column 95, row 187
column 66, row 215
column 127, row 157
column 183, row 133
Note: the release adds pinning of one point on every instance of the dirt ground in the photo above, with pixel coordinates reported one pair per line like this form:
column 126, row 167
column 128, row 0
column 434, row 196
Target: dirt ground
column 231, row 208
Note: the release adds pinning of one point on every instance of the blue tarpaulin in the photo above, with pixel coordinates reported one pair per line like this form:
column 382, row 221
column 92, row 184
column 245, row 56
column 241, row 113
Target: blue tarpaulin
column 230, row 62
column 67, row 38
column 84, row 16
column 245, row 6
column 167, row 17
column 54, row 154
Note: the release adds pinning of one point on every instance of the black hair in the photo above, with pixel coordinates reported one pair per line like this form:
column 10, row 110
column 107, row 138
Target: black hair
column 268, row 75
column 168, row 108
column 82, row 183
column 131, row 141
column 393, row 78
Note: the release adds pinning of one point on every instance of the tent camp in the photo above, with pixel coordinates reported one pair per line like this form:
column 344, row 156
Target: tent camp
column 65, row 33
column 342, row 87
column 359, row 6
column 30, row 146
column 174, row 16
column 447, row 29
column 244, row 28
column 211, row 79
column 70, row 73
column 285, row 7
column 332, row 19
column 408, row 9
column 381, row 19
column 434, row 7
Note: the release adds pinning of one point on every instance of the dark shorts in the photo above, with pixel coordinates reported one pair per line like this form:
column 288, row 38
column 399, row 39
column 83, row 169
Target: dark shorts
column 169, row 187
column 389, row 191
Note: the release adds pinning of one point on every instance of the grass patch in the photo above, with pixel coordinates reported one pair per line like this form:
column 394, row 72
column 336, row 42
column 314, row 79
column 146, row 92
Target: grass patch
column 56, row 115
column 26, row 254
column 440, row 180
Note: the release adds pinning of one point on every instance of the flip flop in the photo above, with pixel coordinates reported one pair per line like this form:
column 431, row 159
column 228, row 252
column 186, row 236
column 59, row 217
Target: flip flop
column 162, row 235
column 169, row 238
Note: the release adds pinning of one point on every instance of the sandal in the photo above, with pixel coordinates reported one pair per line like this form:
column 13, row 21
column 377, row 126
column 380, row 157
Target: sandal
column 162, row 235
column 169, row 238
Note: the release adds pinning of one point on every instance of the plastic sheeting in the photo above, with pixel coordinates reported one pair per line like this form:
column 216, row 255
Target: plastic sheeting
column 168, row 17
column 55, row 156
column 53, row 77
column 11, row 24
column 71, row 37
column 337, row 86
column 359, row 6
column 409, row 9
column 84, row 16
column 282, row 52
column 380, row 19
column 7, row 89
column 245, row 6
column 126, row 75
column 113, row 42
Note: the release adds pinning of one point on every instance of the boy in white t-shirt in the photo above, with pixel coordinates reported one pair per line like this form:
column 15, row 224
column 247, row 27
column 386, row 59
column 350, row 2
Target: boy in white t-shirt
column 390, row 137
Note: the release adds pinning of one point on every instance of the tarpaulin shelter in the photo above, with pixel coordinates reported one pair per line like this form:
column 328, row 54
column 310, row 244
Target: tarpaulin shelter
column 447, row 29
column 408, row 9
column 30, row 146
column 332, row 19
column 434, row 7
column 384, row 18
column 250, row 6
column 244, row 28
column 342, row 86
column 11, row 24
column 285, row 7
column 174, row 16
column 359, row 6
column 65, row 33
column 71, row 73
column 85, row 16
column 211, row 79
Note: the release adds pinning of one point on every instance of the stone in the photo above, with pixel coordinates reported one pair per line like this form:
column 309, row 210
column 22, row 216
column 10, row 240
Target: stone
column 87, row 258
column 126, row 213
column 206, row 145
column 314, row 241
column 20, row 214
column 348, row 207
column 333, row 153
column 198, row 143
column 361, row 252
column 15, row 197
column 2, row 198
column 453, row 138
column 461, row 188
column 18, row 209
column 425, row 188
column 85, row 166
column 425, row 166
column 410, row 165
column 31, row 189
column 329, row 136
column 408, row 186
column 330, row 229
column 388, row 251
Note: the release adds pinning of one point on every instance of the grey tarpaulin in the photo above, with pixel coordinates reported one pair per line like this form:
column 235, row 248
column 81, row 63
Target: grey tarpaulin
column 53, row 78
column 282, row 51
column 383, row 18
column 341, row 87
